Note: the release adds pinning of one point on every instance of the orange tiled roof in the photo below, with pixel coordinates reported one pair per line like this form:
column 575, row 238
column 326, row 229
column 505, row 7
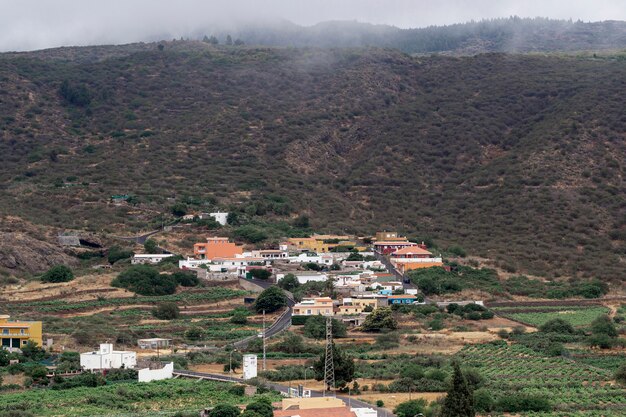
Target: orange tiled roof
column 411, row 250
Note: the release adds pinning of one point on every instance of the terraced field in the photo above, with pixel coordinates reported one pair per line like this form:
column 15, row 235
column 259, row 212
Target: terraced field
column 577, row 316
column 573, row 388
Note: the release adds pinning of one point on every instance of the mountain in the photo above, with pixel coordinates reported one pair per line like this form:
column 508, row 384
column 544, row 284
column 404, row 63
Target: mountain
column 511, row 35
column 517, row 158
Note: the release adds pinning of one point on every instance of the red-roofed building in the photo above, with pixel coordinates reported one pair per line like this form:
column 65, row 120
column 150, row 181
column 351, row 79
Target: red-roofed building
column 317, row 412
column 388, row 247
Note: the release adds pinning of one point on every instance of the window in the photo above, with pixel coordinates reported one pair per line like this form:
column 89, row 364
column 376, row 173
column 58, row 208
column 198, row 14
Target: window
column 5, row 331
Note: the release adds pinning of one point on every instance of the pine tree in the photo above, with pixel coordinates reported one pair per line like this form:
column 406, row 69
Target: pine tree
column 460, row 400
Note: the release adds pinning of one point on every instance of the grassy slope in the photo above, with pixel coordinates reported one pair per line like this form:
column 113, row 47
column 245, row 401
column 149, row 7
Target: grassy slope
column 517, row 158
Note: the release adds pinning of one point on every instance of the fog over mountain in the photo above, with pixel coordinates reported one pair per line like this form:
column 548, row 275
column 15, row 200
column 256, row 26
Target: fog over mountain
column 37, row 24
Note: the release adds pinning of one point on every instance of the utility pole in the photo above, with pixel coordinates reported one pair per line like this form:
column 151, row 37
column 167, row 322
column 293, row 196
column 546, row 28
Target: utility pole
column 264, row 340
column 329, row 366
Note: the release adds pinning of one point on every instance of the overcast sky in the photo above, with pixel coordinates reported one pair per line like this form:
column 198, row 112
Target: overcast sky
column 37, row 24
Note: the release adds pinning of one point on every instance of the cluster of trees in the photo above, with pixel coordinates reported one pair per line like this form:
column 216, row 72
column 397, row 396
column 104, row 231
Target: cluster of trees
column 270, row 300
column 58, row 273
column 146, row 280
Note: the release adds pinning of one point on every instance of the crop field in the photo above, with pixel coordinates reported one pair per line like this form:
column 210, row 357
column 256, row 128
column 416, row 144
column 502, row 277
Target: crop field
column 124, row 399
column 577, row 316
column 610, row 361
column 571, row 387
column 187, row 297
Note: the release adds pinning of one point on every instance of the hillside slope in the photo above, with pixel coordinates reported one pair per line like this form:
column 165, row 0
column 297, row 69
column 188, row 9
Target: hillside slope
column 516, row 158
column 512, row 35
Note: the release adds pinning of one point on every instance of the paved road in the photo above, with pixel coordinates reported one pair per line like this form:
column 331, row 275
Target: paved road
column 282, row 323
column 353, row 401
column 394, row 271
column 141, row 239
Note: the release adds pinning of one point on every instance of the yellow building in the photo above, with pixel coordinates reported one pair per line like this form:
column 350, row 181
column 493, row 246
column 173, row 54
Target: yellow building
column 15, row 334
column 389, row 237
column 321, row 243
column 357, row 305
column 314, row 306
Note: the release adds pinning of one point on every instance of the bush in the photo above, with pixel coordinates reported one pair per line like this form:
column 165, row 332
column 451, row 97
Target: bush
column 483, row 401
column 195, row 333
column 259, row 273
column 58, row 273
column 150, row 246
column 116, row 254
column 225, row 410
column 380, row 403
column 379, row 320
column 315, row 327
column 186, row 278
column 179, row 209
column 239, row 318
column 457, row 251
column 557, row 326
column 410, row 408
column 145, row 280
column 289, row 282
column 251, row 234
column 603, row 325
column 270, row 300
column 262, row 408
column 515, row 403
column 166, row 311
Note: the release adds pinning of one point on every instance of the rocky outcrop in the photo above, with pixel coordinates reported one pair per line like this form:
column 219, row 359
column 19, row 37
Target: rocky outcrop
column 21, row 253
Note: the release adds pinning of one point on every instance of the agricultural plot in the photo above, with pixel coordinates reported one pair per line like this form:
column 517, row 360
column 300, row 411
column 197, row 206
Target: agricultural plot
column 570, row 386
column 187, row 297
column 577, row 316
column 160, row 398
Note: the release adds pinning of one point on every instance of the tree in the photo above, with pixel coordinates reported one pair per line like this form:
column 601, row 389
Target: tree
column 195, row 333
column 289, row 282
column 483, row 400
column 58, row 273
column 116, row 254
column 179, row 209
column 410, row 408
column 603, row 325
column 270, row 300
column 557, row 326
column 166, row 311
column 343, row 364
column 150, row 246
column 213, row 40
column 229, row 40
column 380, row 319
column 145, row 280
column 263, row 408
column 315, row 327
column 186, row 278
column 250, row 413
column 225, row 410
column 239, row 42
column 260, row 273
column 239, row 318
column 354, row 256
column 460, row 400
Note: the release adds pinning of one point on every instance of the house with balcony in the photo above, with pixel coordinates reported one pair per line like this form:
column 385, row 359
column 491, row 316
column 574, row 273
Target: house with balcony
column 314, row 306
column 386, row 247
column 15, row 333
column 216, row 247
column 414, row 257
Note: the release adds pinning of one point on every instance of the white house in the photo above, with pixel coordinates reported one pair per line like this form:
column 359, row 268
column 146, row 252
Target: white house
column 320, row 259
column 221, row 218
column 156, row 373
column 149, row 258
column 107, row 358
column 306, row 276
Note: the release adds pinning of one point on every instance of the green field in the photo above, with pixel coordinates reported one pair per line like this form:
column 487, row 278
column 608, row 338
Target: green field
column 576, row 316
column 571, row 387
column 124, row 399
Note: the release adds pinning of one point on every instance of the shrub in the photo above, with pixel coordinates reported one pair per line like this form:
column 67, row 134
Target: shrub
column 225, row 410
column 166, row 311
column 259, row 273
column 145, row 280
column 263, row 408
column 380, row 319
column 515, row 403
column 603, row 325
column 483, row 401
column 186, row 278
column 150, row 246
column 380, row 403
column 239, row 318
column 410, row 408
column 116, row 254
column 58, row 273
column 557, row 326
column 250, row 234
column 270, row 300
column 289, row 282
column 195, row 333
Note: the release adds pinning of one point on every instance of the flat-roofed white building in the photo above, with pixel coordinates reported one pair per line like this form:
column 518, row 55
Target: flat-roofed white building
column 107, row 358
column 149, row 258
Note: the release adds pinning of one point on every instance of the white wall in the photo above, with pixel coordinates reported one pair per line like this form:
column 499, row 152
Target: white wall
column 249, row 366
column 147, row 375
column 107, row 358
